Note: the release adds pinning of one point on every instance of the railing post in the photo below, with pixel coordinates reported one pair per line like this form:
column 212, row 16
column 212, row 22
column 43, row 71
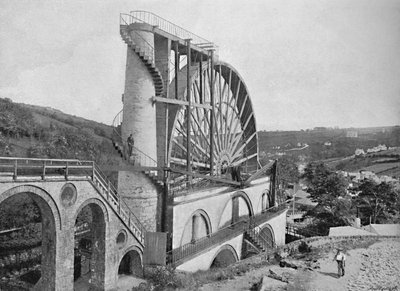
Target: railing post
column 66, row 171
column 44, row 170
column 15, row 170
column 108, row 191
column 93, row 171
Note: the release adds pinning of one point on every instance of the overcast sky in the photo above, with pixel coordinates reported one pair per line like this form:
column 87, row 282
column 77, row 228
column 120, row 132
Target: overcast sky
column 306, row 63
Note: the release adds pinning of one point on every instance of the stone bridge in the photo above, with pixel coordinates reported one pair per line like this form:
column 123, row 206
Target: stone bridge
column 62, row 189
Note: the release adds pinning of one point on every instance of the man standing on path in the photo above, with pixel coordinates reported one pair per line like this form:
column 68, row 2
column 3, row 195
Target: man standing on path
column 130, row 145
column 340, row 258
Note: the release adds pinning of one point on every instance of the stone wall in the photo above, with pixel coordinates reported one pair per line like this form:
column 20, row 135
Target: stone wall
column 142, row 197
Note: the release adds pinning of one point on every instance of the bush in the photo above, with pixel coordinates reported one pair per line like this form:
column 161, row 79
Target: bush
column 304, row 247
column 163, row 277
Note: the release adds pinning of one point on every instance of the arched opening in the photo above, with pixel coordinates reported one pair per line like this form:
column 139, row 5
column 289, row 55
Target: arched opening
column 196, row 227
column 225, row 257
column 267, row 235
column 131, row 264
column 27, row 240
column 89, row 250
column 263, row 202
column 237, row 209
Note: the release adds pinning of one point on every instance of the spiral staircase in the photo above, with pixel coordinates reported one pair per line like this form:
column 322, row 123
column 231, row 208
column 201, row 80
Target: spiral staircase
column 146, row 53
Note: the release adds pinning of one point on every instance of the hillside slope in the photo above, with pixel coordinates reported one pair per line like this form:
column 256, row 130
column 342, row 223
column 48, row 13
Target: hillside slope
column 42, row 132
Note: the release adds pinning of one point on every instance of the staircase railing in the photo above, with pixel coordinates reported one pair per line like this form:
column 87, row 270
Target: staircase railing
column 119, row 205
column 145, row 46
column 139, row 158
column 264, row 241
column 177, row 255
column 126, row 19
column 299, row 232
column 54, row 169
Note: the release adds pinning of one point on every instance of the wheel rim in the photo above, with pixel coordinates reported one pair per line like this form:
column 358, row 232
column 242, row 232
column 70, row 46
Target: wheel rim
column 235, row 135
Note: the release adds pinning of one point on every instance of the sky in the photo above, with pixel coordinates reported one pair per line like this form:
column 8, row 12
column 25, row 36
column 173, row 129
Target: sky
column 306, row 63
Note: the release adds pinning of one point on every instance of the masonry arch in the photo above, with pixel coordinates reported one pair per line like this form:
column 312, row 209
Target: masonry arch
column 237, row 208
column 131, row 263
column 197, row 226
column 50, row 221
column 268, row 235
column 266, row 200
column 225, row 256
column 90, row 243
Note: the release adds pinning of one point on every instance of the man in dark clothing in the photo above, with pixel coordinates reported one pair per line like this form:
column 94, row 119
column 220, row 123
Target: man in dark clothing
column 130, row 145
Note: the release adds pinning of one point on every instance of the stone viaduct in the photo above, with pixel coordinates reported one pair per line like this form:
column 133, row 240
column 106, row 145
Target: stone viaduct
column 115, row 233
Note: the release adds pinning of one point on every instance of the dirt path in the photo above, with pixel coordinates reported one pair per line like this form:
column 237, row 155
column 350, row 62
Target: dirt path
column 375, row 268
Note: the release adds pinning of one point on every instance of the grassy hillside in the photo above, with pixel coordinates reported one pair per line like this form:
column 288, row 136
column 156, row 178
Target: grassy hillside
column 42, row 132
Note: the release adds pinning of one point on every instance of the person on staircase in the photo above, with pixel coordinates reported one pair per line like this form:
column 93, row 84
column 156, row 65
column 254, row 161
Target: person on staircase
column 130, row 142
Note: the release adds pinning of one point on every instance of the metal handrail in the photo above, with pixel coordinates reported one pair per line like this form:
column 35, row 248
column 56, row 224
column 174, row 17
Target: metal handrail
column 144, row 159
column 123, row 209
column 126, row 19
column 47, row 168
column 145, row 45
column 303, row 232
column 221, row 235
column 169, row 27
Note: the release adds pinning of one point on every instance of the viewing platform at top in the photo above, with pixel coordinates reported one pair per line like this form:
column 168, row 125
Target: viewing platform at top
column 147, row 21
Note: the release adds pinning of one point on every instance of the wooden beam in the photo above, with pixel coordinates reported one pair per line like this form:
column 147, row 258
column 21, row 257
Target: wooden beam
column 188, row 109
column 260, row 172
column 180, row 102
column 211, row 178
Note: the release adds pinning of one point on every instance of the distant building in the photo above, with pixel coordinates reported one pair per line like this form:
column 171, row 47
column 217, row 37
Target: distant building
column 377, row 149
column 327, row 143
column 359, row 152
column 351, row 133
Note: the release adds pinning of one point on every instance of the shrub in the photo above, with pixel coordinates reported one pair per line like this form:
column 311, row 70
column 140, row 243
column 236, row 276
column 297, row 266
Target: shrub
column 163, row 277
column 304, row 247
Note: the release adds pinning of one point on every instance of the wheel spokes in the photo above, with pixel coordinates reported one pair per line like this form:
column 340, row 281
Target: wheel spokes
column 233, row 129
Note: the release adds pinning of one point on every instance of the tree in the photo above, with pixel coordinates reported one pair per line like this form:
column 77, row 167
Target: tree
column 328, row 189
column 380, row 202
column 323, row 183
column 288, row 170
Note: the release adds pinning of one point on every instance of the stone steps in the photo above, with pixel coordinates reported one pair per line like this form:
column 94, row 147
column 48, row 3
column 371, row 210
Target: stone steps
column 147, row 60
column 153, row 175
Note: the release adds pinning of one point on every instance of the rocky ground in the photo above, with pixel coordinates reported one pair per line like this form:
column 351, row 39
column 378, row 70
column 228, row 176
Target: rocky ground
column 370, row 266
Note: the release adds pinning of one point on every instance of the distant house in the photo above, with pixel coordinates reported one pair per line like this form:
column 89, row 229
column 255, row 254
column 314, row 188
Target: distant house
column 367, row 175
column 351, row 133
column 387, row 179
column 327, row 143
column 377, row 149
column 354, row 176
column 359, row 152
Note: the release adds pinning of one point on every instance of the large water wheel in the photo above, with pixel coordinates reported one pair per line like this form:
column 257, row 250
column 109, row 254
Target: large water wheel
column 234, row 133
